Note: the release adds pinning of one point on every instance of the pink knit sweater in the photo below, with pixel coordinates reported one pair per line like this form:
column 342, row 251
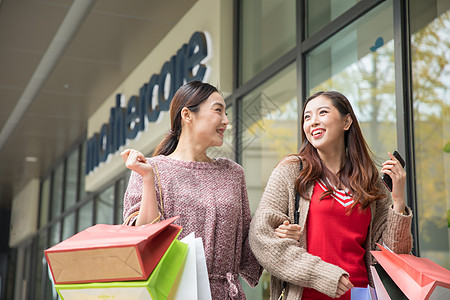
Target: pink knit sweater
column 211, row 200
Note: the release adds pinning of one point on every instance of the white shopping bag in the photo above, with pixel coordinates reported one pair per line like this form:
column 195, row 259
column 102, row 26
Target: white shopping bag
column 203, row 289
column 192, row 281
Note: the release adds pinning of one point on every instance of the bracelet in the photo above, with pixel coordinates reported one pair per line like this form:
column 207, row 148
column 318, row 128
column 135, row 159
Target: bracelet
column 403, row 213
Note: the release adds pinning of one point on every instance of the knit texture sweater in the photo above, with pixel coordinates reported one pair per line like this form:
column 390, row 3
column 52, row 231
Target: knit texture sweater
column 211, row 200
column 288, row 260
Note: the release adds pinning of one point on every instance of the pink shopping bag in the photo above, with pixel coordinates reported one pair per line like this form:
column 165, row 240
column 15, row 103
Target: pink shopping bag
column 417, row 277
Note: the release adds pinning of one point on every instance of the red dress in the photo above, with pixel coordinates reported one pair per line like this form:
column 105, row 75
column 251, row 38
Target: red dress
column 336, row 236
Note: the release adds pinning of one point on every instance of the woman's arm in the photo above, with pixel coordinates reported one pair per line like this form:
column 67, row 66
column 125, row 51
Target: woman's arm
column 394, row 169
column 392, row 221
column 390, row 227
column 137, row 162
column 284, row 257
column 249, row 267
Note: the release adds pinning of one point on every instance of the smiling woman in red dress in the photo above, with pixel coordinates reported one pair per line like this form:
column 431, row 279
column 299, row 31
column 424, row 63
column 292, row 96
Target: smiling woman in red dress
column 344, row 208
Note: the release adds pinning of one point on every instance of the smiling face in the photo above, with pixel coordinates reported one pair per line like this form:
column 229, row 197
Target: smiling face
column 210, row 121
column 324, row 126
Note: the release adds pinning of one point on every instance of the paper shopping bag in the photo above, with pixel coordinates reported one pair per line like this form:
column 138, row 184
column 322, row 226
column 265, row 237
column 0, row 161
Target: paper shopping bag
column 203, row 288
column 111, row 252
column 192, row 281
column 417, row 277
column 156, row 287
column 385, row 287
column 367, row 293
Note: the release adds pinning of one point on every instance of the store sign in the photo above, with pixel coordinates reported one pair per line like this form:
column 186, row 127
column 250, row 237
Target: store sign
column 125, row 122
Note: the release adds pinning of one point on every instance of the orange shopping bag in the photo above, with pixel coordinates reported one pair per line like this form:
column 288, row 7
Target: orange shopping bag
column 104, row 253
column 417, row 277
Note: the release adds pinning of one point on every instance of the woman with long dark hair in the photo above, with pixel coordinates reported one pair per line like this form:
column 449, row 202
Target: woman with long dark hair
column 208, row 194
column 344, row 208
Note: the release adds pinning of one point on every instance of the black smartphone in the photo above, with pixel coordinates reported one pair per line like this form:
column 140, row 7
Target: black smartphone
column 386, row 178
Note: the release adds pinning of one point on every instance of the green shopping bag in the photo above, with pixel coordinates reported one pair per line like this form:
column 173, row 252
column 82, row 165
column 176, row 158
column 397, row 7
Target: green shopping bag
column 156, row 287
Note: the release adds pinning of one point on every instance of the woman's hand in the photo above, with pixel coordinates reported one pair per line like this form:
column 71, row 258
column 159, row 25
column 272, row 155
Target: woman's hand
column 287, row 230
column 344, row 285
column 148, row 211
column 394, row 169
column 136, row 161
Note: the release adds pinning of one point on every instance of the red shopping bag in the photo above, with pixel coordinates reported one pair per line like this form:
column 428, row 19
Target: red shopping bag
column 385, row 287
column 417, row 277
column 104, row 253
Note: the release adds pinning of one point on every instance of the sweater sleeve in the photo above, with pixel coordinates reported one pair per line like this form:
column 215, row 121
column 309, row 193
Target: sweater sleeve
column 249, row 269
column 132, row 197
column 285, row 258
column 391, row 228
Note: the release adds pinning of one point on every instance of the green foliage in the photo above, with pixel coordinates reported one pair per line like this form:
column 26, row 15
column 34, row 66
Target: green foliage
column 447, row 147
column 448, row 218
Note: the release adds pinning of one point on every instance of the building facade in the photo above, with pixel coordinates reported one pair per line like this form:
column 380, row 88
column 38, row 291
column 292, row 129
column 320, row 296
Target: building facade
column 390, row 58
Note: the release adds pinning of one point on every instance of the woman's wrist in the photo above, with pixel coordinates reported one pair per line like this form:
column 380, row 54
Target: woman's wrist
column 399, row 204
column 149, row 177
column 399, row 208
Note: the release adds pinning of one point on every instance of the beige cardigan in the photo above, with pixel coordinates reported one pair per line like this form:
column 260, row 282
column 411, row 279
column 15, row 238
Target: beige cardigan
column 288, row 260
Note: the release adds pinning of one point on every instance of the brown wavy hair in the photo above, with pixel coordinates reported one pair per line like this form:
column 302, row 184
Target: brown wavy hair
column 359, row 173
column 189, row 95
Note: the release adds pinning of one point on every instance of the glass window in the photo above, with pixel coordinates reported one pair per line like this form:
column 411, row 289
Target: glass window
column 321, row 12
column 359, row 63
column 119, row 206
column 104, row 210
column 68, row 226
column 85, row 215
column 430, row 43
column 40, row 265
column 267, row 31
column 11, row 265
column 45, row 202
column 57, row 191
column 26, row 268
column 55, row 234
column 269, row 121
column 83, row 168
column 71, row 180
column 50, row 291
